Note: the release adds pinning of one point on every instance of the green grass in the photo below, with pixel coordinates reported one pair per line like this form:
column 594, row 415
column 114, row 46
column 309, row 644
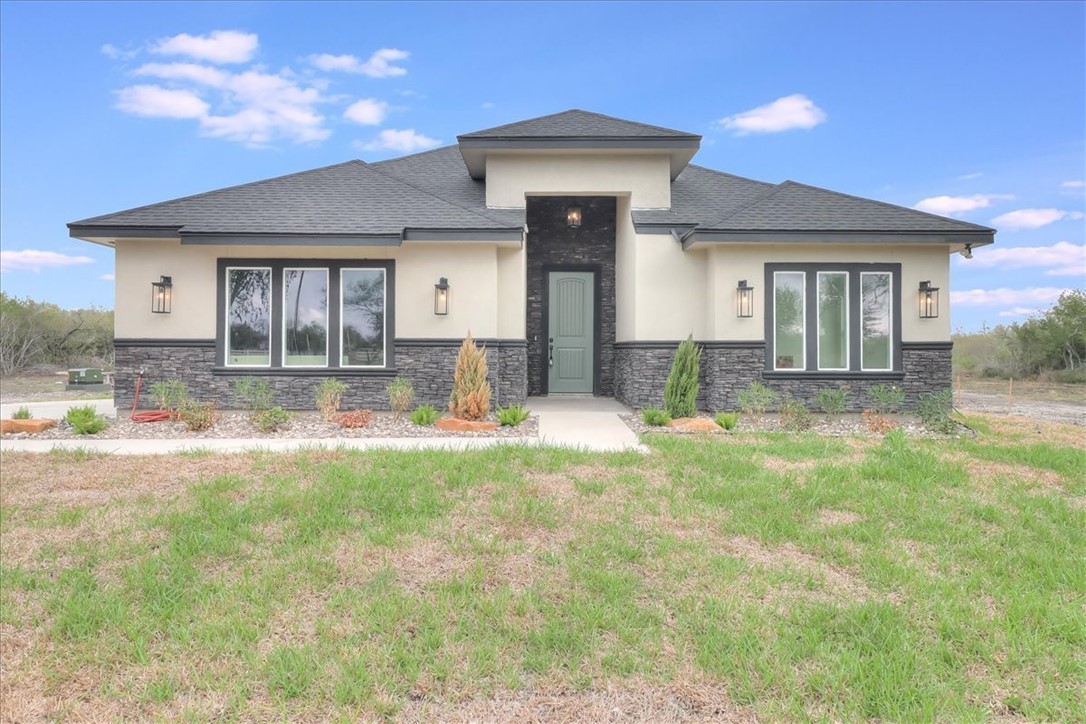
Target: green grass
column 799, row 576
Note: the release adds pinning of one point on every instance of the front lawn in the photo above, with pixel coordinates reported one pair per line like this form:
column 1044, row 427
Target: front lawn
column 749, row 576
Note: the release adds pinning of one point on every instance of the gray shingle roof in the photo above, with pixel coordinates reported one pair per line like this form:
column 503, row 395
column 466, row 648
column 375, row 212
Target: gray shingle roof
column 578, row 124
column 700, row 195
column 347, row 198
column 793, row 206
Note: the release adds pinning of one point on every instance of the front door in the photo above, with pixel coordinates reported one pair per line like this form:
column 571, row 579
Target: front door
column 571, row 350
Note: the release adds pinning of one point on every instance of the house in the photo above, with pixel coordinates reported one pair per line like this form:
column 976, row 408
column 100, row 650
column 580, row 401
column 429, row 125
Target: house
column 580, row 248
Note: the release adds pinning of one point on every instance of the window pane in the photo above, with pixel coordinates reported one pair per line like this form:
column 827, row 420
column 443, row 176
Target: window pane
column 788, row 314
column 876, row 293
column 305, row 317
column 363, row 300
column 832, row 320
column 248, row 306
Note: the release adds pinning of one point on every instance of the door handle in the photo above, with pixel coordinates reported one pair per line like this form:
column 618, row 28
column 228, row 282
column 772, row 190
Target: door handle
column 550, row 353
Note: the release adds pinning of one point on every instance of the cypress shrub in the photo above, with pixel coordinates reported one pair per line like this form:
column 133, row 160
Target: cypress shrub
column 470, row 398
column 681, row 389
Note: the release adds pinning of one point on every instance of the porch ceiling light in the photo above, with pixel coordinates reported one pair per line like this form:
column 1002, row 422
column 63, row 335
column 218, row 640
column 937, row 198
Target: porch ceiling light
column 744, row 300
column 162, row 295
column 929, row 300
column 441, row 297
column 573, row 217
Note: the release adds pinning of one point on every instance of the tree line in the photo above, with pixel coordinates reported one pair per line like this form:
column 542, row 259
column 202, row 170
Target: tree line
column 40, row 334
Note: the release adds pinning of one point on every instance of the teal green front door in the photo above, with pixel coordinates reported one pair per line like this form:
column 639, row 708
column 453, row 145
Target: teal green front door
column 571, row 351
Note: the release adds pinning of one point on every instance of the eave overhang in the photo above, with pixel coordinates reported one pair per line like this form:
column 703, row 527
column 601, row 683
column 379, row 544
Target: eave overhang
column 708, row 237
column 109, row 235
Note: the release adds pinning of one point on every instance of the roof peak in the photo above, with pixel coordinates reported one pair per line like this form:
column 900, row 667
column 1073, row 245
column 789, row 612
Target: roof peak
column 578, row 123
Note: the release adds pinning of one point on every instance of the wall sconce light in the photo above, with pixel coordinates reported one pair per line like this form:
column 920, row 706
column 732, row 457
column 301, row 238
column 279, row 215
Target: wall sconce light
column 929, row 301
column 573, row 217
column 744, row 300
column 441, row 297
column 162, row 295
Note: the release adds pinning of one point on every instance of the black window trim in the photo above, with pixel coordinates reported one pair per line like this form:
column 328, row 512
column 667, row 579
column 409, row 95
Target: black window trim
column 335, row 338
column 810, row 271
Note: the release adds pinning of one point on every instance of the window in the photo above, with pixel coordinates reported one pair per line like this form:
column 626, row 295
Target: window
column 302, row 314
column 833, row 318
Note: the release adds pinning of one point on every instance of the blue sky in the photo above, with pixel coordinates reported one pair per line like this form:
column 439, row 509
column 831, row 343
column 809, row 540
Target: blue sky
column 975, row 110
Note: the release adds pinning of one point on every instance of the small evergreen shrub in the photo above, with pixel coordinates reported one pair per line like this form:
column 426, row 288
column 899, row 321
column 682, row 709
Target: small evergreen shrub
column 254, row 394
column 886, row 399
column 401, row 395
column 196, row 416
column 934, row 411
column 512, row 415
column 424, row 415
column 271, row 419
column 794, row 415
column 756, row 398
column 23, row 413
column 470, row 398
column 655, row 416
column 727, row 420
column 832, row 400
column 329, row 396
column 354, row 418
column 169, row 394
column 85, row 420
column 681, row 388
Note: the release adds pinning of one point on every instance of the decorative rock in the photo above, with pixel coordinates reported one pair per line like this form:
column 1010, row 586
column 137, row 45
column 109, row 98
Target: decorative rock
column 7, row 426
column 695, row 424
column 455, row 424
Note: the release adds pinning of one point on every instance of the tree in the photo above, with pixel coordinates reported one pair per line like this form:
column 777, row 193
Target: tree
column 1057, row 339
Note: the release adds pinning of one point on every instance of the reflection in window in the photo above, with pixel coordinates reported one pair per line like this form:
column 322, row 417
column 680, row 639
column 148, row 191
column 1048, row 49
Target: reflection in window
column 832, row 320
column 876, row 331
column 305, row 318
column 362, row 295
column 248, row 314
column 788, row 320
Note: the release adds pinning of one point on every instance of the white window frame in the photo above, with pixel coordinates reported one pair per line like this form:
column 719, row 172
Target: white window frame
column 889, row 323
column 271, row 314
column 384, row 318
column 818, row 323
column 803, row 324
column 327, row 331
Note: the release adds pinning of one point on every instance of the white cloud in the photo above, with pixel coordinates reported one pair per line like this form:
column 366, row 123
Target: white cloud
column 1004, row 297
column 366, row 112
column 112, row 51
column 1033, row 218
column 36, row 260
column 783, row 114
column 202, row 74
column 379, row 65
column 154, row 101
column 405, row 141
column 1062, row 258
column 107, row 278
column 220, row 46
column 1020, row 312
column 949, row 205
column 1077, row 184
column 969, row 176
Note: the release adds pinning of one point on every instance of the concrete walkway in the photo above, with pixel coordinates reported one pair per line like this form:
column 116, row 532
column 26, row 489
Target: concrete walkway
column 585, row 423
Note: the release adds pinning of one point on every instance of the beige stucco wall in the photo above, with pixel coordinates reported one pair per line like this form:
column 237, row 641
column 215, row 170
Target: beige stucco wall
column 646, row 178
column 671, row 289
column 486, row 286
column 626, row 302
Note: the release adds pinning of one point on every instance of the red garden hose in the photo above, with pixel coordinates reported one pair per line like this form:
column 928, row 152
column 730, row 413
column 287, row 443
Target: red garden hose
column 156, row 416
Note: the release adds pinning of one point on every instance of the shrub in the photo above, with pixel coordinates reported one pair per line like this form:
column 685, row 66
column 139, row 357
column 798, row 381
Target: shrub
column 329, row 396
column 169, row 394
column 85, row 420
column 512, row 415
column 934, row 411
column 794, row 415
column 886, row 399
column 401, row 395
column 424, row 415
column 727, row 420
column 832, row 400
column 470, row 398
column 271, row 419
column 1076, row 376
column 354, row 418
column 681, row 388
column 756, row 399
column 655, row 416
column 878, row 424
column 195, row 415
column 23, row 413
column 254, row 394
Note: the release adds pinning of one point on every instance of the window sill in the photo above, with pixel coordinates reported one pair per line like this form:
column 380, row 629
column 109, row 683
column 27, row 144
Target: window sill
column 844, row 375
column 302, row 372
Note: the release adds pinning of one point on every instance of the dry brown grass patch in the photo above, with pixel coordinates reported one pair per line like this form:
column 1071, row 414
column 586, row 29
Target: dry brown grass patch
column 828, row 517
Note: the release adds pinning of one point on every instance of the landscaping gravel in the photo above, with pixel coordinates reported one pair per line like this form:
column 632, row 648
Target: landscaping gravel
column 833, row 426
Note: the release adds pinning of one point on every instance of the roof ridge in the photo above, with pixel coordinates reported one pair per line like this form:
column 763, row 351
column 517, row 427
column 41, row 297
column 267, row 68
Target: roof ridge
column 578, row 110
column 189, row 197
column 753, row 202
column 718, row 172
column 371, row 164
column 439, row 198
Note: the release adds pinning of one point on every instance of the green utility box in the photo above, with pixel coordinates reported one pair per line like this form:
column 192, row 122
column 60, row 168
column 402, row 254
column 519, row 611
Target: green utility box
column 85, row 376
